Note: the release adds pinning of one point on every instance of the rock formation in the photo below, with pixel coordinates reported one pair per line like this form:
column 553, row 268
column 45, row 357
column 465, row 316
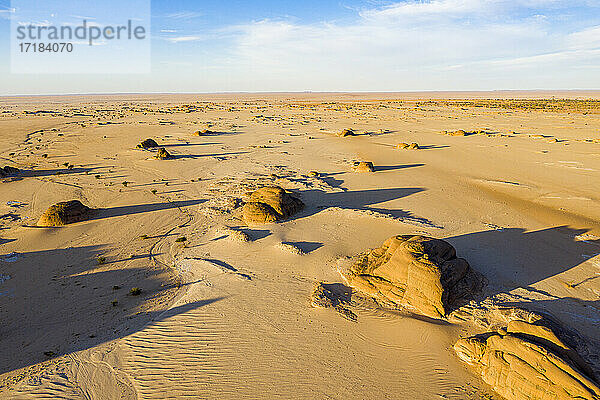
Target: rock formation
column 363, row 166
column 412, row 146
column 270, row 204
column 64, row 213
column 346, row 132
column 8, row 170
column 148, row 144
column 419, row 273
column 527, row 360
column 203, row 132
column 163, row 154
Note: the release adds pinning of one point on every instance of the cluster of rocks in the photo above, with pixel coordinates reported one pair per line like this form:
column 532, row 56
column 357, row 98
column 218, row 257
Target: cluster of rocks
column 521, row 354
column 411, row 146
column 161, row 154
column 270, row 204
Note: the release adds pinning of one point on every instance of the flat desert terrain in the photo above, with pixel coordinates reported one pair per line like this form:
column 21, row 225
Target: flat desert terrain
column 166, row 290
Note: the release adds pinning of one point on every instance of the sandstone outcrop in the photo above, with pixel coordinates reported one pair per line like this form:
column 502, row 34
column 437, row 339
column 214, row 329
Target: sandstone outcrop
column 270, row 204
column 148, row 144
column 527, row 360
column 419, row 273
column 65, row 213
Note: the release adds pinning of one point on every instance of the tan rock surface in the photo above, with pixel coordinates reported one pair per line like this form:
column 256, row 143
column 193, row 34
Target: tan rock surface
column 417, row 272
column 65, row 213
column 522, row 365
column 270, row 204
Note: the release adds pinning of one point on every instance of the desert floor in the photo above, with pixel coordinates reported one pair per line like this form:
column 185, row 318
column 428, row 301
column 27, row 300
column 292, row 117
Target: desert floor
column 220, row 317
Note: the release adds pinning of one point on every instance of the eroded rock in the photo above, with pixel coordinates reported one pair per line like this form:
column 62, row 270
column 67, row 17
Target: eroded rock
column 163, row 154
column 411, row 146
column 527, row 360
column 8, row 171
column 203, row 132
column 420, row 273
column 363, row 166
column 346, row 132
column 65, row 213
column 148, row 144
column 270, row 204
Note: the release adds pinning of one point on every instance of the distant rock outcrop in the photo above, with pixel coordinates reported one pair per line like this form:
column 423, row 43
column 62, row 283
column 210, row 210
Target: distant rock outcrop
column 148, row 144
column 419, row 273
column 8, row 170
column 64, row 213
column 363, row 166
column 346, row 132
column 412, row 146
column 203, row 132
column 270, row 204
column 163, row 154
column 527, row 360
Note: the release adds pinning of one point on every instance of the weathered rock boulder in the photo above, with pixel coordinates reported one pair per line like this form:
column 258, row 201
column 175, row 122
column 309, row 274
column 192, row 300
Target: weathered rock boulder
column 412, row 146
column 8, row 170
column 203, row 132
column 270, row 204
column 163, row 154
column 363, row 166
column 528, row 361
column 419, row 273
column 148, row 144
column 64, row 213
column 346, row 132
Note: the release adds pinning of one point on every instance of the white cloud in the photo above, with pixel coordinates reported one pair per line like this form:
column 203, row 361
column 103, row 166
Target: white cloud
column 178, row 39
column 410, row 45
column 184, row 15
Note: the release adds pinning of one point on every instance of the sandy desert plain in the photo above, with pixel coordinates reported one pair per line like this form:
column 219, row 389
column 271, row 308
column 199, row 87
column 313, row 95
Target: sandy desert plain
column 166, row 291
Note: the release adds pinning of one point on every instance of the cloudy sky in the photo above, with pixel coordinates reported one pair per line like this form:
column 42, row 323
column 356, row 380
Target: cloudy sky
column 348, row 45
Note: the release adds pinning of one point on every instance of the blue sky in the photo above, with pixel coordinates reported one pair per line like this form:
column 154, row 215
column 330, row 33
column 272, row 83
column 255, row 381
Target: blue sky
column 349, row 45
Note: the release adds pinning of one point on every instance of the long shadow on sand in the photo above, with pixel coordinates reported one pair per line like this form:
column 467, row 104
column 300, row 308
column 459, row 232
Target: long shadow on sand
column 513, row 258
column 318, row 200
column 65, row 306
column 101, row 213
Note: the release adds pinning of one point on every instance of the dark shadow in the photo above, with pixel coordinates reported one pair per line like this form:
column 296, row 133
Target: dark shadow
column 59, row 171
column 255, row 234
column 4, row 241
column 306, row 247
column 188, row 144
column 318, row 200
column 57, row 302
column 512, row 257
column 228, row 267
column 381, row 168
column 219, row 133
column 194, row 156
column 141, row 208
column 331, row 181
column 432, row 146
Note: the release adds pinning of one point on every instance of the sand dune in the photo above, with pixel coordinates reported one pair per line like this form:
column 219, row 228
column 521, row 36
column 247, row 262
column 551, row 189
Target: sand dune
column 225, row 307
